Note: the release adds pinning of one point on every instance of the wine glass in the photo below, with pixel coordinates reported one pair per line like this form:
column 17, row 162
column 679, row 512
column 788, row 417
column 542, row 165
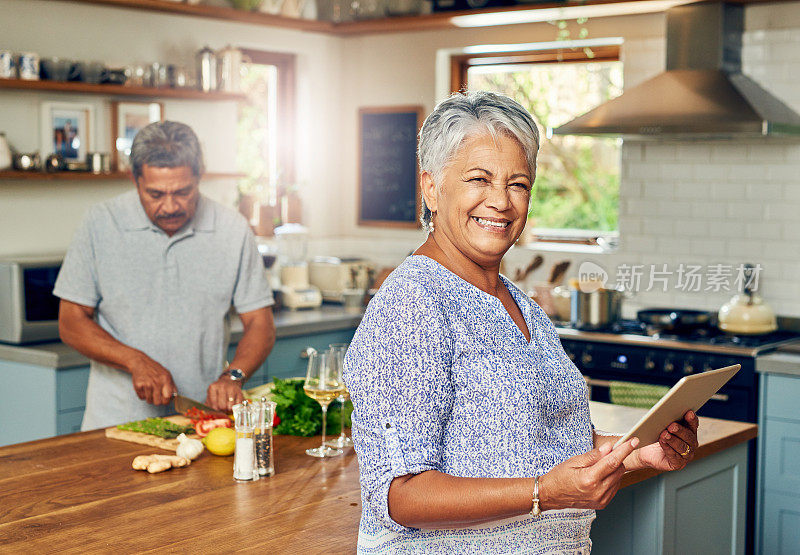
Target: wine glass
column 323, row 384
column 337, row 352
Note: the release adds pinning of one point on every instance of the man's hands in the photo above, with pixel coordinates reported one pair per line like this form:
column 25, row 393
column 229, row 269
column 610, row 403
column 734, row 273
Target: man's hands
column 224, row 393
column 151, row 381
column 587, row 481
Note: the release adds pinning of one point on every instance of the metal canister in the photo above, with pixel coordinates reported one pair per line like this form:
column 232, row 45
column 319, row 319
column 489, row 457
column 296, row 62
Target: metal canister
column 98, row 162
column 207, row 70
column 596, row 309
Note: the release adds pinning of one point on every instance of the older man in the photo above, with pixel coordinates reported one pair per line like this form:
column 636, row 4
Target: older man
column 148, row 281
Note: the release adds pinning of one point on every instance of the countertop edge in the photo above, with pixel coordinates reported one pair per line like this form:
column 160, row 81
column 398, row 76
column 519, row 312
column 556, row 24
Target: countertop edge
column 706, row 450
column 779, row 363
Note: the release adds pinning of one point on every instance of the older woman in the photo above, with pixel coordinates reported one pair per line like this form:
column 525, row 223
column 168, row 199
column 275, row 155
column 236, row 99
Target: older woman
column 470, row 420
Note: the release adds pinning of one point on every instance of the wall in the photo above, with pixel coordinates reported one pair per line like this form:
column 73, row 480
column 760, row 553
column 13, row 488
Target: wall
column 681, row 203
column 40, row 216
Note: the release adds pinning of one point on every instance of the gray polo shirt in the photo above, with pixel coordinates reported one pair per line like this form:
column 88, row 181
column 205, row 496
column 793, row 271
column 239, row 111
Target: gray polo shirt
column 166, row 296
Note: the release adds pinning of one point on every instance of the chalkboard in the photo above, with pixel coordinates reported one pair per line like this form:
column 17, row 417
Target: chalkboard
column 388, row 192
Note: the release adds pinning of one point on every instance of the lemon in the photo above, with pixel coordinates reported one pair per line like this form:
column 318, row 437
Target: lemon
column 221, row 441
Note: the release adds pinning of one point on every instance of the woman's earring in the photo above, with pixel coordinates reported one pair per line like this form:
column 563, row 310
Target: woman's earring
column 431, row 225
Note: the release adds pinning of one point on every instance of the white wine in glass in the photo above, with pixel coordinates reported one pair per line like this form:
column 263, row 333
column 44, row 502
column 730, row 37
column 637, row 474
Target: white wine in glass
column 337, row 351
column 323, row 384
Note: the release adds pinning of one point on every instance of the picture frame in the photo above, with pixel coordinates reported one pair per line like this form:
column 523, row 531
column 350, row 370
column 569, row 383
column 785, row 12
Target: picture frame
column 67, row 128
column 127, row 119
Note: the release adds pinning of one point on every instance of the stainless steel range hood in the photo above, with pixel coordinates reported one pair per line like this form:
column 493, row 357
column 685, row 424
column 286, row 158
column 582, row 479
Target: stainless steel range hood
column 702, row 95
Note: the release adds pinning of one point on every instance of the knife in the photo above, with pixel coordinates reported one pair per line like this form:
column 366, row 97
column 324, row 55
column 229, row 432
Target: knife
column 183, row 404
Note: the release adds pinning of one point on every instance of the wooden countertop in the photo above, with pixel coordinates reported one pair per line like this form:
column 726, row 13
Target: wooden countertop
column 79, row 493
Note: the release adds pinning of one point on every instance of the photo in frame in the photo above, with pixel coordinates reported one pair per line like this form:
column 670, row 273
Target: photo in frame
column 127, row 119
column 67, row 128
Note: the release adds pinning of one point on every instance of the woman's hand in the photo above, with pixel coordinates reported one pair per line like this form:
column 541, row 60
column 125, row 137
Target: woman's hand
column 675, row 447
column 587, row 481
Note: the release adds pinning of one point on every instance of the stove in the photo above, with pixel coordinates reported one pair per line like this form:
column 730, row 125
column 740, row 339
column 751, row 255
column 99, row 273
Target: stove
column 629, row 351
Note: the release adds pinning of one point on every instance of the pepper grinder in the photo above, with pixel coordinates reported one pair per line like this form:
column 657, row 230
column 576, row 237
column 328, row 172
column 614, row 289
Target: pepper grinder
column 265, row 461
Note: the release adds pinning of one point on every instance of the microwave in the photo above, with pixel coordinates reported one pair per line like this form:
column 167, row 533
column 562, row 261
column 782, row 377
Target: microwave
column 28, row 308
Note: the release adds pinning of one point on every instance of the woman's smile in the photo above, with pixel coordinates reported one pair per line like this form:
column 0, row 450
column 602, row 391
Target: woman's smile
column 492, row 225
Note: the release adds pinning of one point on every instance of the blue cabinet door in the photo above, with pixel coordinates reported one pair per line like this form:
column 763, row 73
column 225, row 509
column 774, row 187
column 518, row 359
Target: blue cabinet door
column 781, row 524
column 286, row 360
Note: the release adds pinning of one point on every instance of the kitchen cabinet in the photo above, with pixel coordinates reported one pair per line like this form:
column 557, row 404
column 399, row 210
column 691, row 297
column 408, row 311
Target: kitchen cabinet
column 778, row 530
column 39, row 402
column 288, row 358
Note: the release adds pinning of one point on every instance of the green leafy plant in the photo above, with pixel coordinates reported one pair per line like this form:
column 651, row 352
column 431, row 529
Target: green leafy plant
column 300, row 414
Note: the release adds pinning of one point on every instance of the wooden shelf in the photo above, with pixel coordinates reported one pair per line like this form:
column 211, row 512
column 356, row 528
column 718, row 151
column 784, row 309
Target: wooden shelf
column 86, row 176
column 214, row 12
column 117, row 90
column 438, row 20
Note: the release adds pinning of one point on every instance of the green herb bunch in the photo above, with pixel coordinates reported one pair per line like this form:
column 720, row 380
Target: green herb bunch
column 300, row 414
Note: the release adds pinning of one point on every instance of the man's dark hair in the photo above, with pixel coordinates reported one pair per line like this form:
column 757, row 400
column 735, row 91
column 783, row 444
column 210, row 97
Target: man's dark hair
column 166, row 144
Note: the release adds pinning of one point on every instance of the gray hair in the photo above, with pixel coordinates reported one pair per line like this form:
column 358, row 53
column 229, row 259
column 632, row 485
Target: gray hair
column 463, row 115
column 166, row 144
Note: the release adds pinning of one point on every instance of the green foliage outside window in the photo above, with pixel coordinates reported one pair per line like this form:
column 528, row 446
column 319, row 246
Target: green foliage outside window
column 577, row 181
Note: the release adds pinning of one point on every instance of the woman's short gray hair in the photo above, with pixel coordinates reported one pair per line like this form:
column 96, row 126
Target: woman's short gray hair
column 463, row 115
column 166, row 144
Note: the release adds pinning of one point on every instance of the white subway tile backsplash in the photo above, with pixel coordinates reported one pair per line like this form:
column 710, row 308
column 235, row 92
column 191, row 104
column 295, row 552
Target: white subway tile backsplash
column 679, row 171
column 696, row 152
column 782, row 211
column 697, row 227
column 763, row 230
column 746, row 173
column 791, row 191
column 710, row 171
column 725, row 228
column 728, row 189
column 767, row 152
column 692, row 190
column 783, row 172
column 728, row 153
column 658, row 152
column 791, row 230
column 709, row 247
column 763, row 191
column 745, row 211
column 657, row 190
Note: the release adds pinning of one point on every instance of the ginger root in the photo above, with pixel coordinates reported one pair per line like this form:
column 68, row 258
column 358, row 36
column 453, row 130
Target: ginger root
column 158, row 463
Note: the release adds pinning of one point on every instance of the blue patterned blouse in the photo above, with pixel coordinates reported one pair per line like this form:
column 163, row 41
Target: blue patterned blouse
column 442, row 378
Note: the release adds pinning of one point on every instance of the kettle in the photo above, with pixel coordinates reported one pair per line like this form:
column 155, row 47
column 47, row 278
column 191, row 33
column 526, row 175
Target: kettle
column 746, row 313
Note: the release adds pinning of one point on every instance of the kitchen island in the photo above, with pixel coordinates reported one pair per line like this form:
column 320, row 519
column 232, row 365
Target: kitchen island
column 77, row 493
column 44, row 391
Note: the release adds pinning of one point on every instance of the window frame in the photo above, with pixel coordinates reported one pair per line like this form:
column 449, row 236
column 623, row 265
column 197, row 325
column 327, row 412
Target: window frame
column 286, row 65
column 459, row 68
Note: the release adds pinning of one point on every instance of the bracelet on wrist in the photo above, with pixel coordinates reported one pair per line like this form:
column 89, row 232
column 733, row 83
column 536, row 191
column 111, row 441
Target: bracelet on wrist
column 536, row 510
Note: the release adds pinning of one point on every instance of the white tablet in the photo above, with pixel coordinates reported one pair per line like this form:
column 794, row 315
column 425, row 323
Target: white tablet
column 690, row 393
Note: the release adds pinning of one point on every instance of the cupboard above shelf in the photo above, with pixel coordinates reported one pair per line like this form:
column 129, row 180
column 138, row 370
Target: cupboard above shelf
column 7, row 175
column 117, row 90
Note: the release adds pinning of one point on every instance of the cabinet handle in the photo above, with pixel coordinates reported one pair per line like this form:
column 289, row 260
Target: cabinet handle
column 307, row 352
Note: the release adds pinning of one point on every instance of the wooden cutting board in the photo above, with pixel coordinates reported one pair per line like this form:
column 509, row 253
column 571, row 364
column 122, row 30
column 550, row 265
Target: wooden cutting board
column 151, row 440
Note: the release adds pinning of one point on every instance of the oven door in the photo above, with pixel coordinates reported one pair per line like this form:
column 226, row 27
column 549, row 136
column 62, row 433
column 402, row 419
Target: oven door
column 730, row 403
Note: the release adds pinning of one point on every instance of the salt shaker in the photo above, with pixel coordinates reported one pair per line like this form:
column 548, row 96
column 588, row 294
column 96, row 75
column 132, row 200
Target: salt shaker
column 244, row 458
column 263, row 437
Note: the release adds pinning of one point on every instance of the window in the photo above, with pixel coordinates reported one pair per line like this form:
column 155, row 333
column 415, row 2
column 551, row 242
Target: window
column 265, row 132
column 576, row 193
